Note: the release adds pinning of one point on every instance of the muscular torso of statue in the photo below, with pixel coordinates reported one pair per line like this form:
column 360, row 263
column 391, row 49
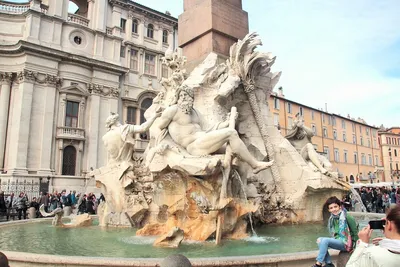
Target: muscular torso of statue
column 113, row 142
column 184, row 128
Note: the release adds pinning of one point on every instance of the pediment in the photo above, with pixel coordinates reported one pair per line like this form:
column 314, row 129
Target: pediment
column 75, row 90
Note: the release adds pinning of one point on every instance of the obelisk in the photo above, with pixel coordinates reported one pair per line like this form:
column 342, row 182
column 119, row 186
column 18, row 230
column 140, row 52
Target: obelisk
column 210, row 26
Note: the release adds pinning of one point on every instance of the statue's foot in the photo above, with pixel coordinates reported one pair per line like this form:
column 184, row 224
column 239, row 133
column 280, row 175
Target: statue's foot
column 262, row 165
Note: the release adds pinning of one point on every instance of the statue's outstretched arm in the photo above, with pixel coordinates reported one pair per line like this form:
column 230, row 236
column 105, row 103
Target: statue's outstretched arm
column 144, row 127
column 308, row 131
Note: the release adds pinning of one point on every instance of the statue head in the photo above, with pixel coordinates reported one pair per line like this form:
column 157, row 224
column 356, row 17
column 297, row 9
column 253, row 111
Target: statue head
column 185, row 98
column 185, row 88
column 111, row 120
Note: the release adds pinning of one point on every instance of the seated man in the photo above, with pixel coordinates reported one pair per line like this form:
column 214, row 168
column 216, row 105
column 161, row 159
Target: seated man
column 300, row 137
column 183, row 124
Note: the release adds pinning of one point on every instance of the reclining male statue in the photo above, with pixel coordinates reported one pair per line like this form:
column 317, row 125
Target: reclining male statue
column 183, row 124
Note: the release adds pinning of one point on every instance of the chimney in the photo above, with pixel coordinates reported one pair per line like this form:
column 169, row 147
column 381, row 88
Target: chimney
column 280, row 92
column 326, row 107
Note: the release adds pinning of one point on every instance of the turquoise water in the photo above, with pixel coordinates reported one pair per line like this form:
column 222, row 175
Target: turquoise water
column 95, row 241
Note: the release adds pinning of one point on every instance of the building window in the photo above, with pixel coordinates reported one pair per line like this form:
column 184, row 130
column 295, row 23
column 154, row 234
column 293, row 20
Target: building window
column 343, row 124
column 355, row 158
column 360, row 129
column 323, row 118
column 69, row 161
column 131, row 115
column 354, row 139
column 326, row 152
column 375, row 145
column 369, row 142
column 325, row 132
column 387, row 140
column 337, row 155
column 150, row 31
column 334, row 134
column 276, row 103
column 134, row 59
column 165, row 36
column 289, row 108
column 122, row 51
column 314, row 129
column 276, row 119
column 312, row 114
column 367, row 131
column 353, row 126
column 363, row 159
column 369, row 160
column 146, row 103
column 344, row 137
column 150, row 64
column 123, row 24
column 301, row 111
column 376, row 161
column 395, row 153
column 290, row 122
column 361, row 141
column 345, row 156
column 164, row 71
column 333, row 121
column 135, row 26
column 71, row 115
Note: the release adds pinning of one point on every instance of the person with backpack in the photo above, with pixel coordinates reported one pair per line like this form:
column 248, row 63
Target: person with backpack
column 343, row 229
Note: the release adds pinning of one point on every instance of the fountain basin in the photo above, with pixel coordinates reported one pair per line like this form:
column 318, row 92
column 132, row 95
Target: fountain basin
column 288, row 245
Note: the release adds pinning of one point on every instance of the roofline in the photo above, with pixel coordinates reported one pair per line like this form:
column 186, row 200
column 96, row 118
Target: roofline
column 145, row 9
column 336, row 115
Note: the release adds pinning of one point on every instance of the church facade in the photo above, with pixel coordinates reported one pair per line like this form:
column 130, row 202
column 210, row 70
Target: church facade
column 62, row 74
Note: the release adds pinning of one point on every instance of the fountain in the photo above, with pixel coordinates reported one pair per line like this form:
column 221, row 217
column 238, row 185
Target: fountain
column 214, row 160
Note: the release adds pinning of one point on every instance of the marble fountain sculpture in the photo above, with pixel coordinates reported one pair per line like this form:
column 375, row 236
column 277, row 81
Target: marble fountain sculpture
column 214, row 156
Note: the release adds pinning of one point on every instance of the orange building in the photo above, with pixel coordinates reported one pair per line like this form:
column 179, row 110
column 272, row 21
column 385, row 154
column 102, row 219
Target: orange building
column 350, row 145
column 389, row 140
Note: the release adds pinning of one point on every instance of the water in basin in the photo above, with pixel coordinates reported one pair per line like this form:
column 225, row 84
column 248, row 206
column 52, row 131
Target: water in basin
column 95, row 241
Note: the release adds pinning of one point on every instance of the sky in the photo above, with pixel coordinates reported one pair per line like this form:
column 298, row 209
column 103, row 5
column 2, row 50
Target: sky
column 342, row 53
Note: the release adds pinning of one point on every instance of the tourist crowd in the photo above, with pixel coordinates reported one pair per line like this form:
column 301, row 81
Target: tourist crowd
column 86, row 203
column 375, row 199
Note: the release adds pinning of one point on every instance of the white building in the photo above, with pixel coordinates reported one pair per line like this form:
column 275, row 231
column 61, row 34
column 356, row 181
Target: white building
column 62, row 74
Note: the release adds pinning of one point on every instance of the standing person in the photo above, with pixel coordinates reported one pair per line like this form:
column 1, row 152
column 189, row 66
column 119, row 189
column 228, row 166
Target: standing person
column 386, row 251
column 54, row 201
column 398, row 196
column 9, row 204
column 20, row 203
column 35, row 204
column 343, row 229
column 393, row 196
column 82, row 205
column 44, row 200
column 3, row 206
column 73, row 198
column 90, row 204
column 385, row 200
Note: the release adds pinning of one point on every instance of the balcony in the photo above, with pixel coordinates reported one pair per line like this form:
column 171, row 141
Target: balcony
column 78, row 20
column 14, row 8
column 19, row 8
column 70, row 133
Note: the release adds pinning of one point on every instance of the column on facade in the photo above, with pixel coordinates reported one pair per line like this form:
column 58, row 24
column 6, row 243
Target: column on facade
column 158, row 35
column 58, row 8
column 93, row 131
column 5, row 91
column 129, row 26
column 100, row 15
column 90, row 15
column 20, row 121
column 142, row 31
column 48, row 125
column 60, row 123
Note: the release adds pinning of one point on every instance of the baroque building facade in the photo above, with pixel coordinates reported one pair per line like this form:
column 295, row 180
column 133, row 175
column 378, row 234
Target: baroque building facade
column 390, row 153
column 63, row 73
column 351, row 145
